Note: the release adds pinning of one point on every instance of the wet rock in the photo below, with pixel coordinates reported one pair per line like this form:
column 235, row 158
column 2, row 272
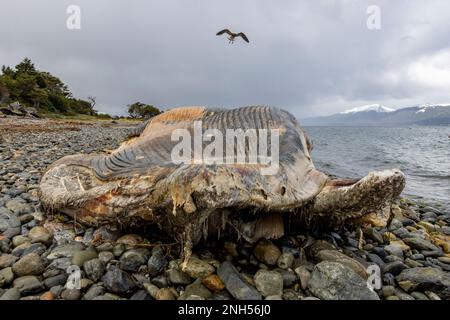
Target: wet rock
column 425, row 279
column 334, row 281
column 197, row 268
column 118, row 281
column 269, row 283
column 158, row 262
column 94, row 269
column 30, row 264
column 40, row 234
column 266, row 252
column 336, row 256
column 28, row 285
column 131, row 260
column 234, row 283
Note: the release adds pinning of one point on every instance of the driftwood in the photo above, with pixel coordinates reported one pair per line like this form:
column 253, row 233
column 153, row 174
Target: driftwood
column 140, row 183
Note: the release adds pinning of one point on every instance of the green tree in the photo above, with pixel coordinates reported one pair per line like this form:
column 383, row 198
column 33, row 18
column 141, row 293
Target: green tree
column 139, row 110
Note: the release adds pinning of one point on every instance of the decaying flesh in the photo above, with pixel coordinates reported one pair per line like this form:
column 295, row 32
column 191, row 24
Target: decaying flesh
column 139, row 184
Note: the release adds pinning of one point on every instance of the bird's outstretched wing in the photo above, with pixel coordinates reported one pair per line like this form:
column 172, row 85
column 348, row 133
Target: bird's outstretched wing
column 223, row 31
column 243, row 36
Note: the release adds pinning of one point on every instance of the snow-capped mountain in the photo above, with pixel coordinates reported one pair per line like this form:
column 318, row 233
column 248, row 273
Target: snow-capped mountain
column 370, row 107
column 378, row 115
column 427, row 107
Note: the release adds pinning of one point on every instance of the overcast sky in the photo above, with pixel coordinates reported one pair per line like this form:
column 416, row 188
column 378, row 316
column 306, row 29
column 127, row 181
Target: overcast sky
column 309, row 57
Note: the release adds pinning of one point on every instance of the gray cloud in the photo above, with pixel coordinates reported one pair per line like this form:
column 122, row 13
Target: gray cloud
column 310, row 57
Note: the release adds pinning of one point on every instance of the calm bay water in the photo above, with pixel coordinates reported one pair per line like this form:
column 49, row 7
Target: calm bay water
column 422, row 153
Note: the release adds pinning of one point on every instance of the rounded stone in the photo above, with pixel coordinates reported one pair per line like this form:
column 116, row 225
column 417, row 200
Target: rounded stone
column 30, row 264
column 269, row 283
column 40, row 234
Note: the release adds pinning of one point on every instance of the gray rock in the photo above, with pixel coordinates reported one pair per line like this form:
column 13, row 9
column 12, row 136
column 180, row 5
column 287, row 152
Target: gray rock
column 375, row 259
column 7, row 260
column 18, row 207
column 141, row 295
column 425, row 279
column 269, row 283
column 304, row 275
column 334, row 281
column 426, row 247
column 80, row 257
column 177, row 277
column 28, row 285
column 105, row 256
column 18, row 240
column 31, row 264
column 286, row 260
column 234, row 283
column 160, row 282
column 394, row 267
column 71, row 294
column 40, row 234
column 58, row 280
column 158, row 262
column 394, row 249
column 7, row 275
column 65, row 250
column 131, row 260
column 11, row 294
column 118, row 281
column 289, row 277
column 419, row 296
column 94, row 291
column 336, row 256
column 94, row 269
column 387, row 291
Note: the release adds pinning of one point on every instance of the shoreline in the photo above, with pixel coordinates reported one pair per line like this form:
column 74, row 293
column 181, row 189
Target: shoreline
column 36, row 250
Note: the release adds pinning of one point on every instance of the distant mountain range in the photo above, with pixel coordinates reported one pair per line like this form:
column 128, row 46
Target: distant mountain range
column 378, row 115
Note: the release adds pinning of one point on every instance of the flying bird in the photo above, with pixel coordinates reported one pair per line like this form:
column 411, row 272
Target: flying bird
column 233, row 35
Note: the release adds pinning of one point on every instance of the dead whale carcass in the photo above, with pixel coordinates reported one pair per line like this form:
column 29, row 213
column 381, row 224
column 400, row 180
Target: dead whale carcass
column 196, row 171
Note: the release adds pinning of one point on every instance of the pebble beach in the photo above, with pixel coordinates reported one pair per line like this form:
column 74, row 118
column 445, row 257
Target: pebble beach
column 38, row 249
